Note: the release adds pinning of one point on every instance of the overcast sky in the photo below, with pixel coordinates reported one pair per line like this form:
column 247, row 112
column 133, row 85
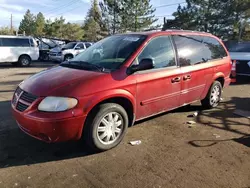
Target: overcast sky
column 71, row 10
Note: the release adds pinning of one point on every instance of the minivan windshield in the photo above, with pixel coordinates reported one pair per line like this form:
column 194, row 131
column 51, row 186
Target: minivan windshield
column 70, row 45
column 107, row 54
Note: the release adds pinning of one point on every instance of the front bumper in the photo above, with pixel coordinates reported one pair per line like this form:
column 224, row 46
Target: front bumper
column 53, row 127
column 56, row 58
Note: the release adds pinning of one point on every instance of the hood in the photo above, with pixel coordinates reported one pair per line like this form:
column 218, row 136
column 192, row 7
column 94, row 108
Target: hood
column 240, row 55
column 56, row 49
column 49, row 81
column 64, row 51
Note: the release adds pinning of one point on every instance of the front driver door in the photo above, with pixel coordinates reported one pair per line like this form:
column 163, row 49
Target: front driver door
column 158, row 89
column 80, row 48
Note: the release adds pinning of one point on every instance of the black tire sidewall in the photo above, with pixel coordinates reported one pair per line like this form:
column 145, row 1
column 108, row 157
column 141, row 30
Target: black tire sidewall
column 68, row 56
column 104, row 110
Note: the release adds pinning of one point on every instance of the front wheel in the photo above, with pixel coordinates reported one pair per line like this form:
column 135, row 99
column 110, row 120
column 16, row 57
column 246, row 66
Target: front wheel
column 68, row 57
column 213, row 97
column 106, row 128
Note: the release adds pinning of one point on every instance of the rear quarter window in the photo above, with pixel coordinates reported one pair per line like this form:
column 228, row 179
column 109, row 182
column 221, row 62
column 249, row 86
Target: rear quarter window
column 15, row 42
column 217, row 50
column 195, row 49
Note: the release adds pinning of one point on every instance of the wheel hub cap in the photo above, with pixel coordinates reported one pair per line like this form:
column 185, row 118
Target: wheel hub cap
column 110, row 128
column 215, row 95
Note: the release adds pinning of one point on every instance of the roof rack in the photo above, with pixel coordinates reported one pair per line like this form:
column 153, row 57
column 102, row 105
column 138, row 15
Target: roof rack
column 184, row 30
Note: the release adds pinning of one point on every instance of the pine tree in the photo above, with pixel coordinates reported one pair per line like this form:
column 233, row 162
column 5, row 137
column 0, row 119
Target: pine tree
column 72, row 32
column 93, row 23
column 39, row 25
column 111, row 14
column 140, row 13
column 27, row 24
column 221, row 18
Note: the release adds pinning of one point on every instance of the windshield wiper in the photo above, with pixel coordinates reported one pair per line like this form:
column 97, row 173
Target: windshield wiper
column 84, row 64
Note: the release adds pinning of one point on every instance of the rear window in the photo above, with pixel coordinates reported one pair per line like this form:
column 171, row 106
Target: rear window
column 15, row 42
column 238, row 47
column 194, row 49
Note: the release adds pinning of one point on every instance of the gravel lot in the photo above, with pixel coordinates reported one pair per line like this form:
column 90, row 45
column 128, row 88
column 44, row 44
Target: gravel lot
column 213, row 153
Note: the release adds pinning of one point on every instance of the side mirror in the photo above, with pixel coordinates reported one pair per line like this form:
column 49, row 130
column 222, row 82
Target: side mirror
column 144, row 64
column 77, row 48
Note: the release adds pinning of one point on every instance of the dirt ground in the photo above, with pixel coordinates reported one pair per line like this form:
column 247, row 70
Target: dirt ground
column 213, row 153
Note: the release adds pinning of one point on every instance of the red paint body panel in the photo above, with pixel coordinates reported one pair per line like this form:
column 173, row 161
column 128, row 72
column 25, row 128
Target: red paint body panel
column 150, row 92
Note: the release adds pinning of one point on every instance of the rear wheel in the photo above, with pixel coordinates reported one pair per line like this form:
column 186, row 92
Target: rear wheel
column 106, row 127
column 213, row 97
column 24, row 61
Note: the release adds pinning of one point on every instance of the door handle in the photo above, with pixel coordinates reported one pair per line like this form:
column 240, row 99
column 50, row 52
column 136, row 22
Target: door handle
column 176, row 79
column 187, row 77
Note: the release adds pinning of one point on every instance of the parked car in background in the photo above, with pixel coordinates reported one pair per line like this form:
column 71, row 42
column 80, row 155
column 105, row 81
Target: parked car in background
column 18, row 50
column 240, row 51
column 68, row 51
column 119, row 80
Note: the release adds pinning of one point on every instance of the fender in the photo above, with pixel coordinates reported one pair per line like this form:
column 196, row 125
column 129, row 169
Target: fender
column 208, row 85
column 97, row 98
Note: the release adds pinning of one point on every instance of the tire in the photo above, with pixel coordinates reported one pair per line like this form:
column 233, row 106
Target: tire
column 213, row 96
column 98, row 135
column 68, row 57
column 24, row 61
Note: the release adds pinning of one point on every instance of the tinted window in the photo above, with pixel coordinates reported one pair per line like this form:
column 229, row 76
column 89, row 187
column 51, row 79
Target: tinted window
column 70, row 45
column 80, row 46
column 238, row 47
column 193, row 50
column 190, row 51
column 87, row 45
column 161, row 51
column 217, row 50
column 15, row 42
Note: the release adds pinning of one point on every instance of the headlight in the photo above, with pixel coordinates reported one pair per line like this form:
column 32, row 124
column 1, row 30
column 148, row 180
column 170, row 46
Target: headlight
column 57, row 104
column 59, row 53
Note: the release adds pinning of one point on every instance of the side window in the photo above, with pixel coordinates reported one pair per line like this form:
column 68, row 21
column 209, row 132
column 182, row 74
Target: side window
column 217, row 50
column 21, row 42
column 190, row 50
column 161, row 51
column 80, row 46
column 87, row 45
column 15, row 42
column 7, row 42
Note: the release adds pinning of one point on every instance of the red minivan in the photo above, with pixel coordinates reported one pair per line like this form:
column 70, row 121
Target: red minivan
column 119, row 80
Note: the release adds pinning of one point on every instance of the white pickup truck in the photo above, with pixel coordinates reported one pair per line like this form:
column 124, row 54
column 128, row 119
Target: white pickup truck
column 68, row 51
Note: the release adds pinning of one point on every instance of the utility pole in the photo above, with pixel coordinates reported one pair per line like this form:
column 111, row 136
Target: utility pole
column 11, row 24
column 114, row 18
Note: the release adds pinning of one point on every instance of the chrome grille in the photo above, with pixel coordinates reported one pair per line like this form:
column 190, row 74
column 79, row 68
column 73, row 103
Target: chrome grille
column 27, row 97
column 21, row 107
column 22, row 99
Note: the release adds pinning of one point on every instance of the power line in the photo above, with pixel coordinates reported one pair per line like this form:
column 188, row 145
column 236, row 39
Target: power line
column 61, row 7
column 168, row 5
column 60, row 14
